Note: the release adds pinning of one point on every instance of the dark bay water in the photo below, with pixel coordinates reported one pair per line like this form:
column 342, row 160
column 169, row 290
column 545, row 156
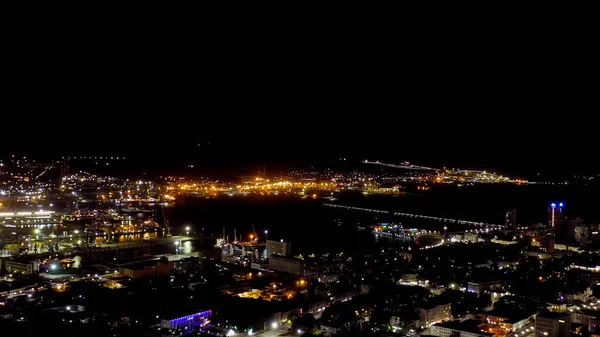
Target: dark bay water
column 312, row 227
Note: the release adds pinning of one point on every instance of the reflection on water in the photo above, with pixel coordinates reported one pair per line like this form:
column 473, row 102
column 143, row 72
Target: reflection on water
column 127, row 237
column 389, row 240
column 186, row 248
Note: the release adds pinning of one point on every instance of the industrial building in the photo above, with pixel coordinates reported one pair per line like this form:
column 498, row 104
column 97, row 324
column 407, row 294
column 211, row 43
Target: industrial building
column 279, row 248
column 287, row 265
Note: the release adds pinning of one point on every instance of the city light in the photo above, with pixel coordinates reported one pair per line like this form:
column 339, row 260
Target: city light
column 119, row 231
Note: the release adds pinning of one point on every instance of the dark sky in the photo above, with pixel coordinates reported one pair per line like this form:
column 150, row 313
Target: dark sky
column 514, row 105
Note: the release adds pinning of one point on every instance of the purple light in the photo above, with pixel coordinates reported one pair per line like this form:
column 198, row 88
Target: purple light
column 192, row 320
column 552, row 205
column 561, row 204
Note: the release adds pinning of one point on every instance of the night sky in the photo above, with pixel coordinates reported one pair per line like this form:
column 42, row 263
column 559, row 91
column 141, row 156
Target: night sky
column 514, row 109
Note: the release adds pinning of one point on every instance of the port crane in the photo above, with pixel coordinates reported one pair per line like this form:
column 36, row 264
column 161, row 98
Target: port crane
column 162, row 210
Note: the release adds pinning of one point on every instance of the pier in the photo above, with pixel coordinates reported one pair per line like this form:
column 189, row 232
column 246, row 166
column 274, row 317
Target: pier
column 419, row 216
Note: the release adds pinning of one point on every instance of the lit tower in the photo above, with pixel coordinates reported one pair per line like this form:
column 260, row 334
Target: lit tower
column 555, row 215
column 556, row 220
column 64, row 167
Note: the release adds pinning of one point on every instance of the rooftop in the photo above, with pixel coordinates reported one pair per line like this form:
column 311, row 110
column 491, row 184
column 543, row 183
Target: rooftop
column 512, row 316
column 551, row 315
column 470, row 325
column 432, row 304
column 280, row 257
column 175, row 314
column 484, row 281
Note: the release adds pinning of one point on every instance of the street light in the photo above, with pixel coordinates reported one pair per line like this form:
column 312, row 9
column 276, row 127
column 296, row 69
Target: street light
column 187, row 230
column 267, row 239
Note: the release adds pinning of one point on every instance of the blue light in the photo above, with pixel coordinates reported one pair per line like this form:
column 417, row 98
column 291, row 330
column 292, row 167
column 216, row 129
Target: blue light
column 561, row 204
column 200, row 318
column 552, row 205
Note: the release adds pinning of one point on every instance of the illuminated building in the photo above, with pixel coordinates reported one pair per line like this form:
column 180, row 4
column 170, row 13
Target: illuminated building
column 20, row 267
column 553, row 324
column 584, row 234
column 467, row 328
column 483, row 287
column 506, row 322
column 555, row 215
column 287, row 265
column 279, row 248
column 186, row 322
column 557, row 222
column 434, row 313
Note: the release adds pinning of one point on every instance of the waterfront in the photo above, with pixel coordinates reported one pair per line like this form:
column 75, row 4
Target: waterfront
column 314, row 228
column 311, row 227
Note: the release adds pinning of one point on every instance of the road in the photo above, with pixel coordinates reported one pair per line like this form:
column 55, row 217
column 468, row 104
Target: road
column 274, row 332
column 19, row 292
